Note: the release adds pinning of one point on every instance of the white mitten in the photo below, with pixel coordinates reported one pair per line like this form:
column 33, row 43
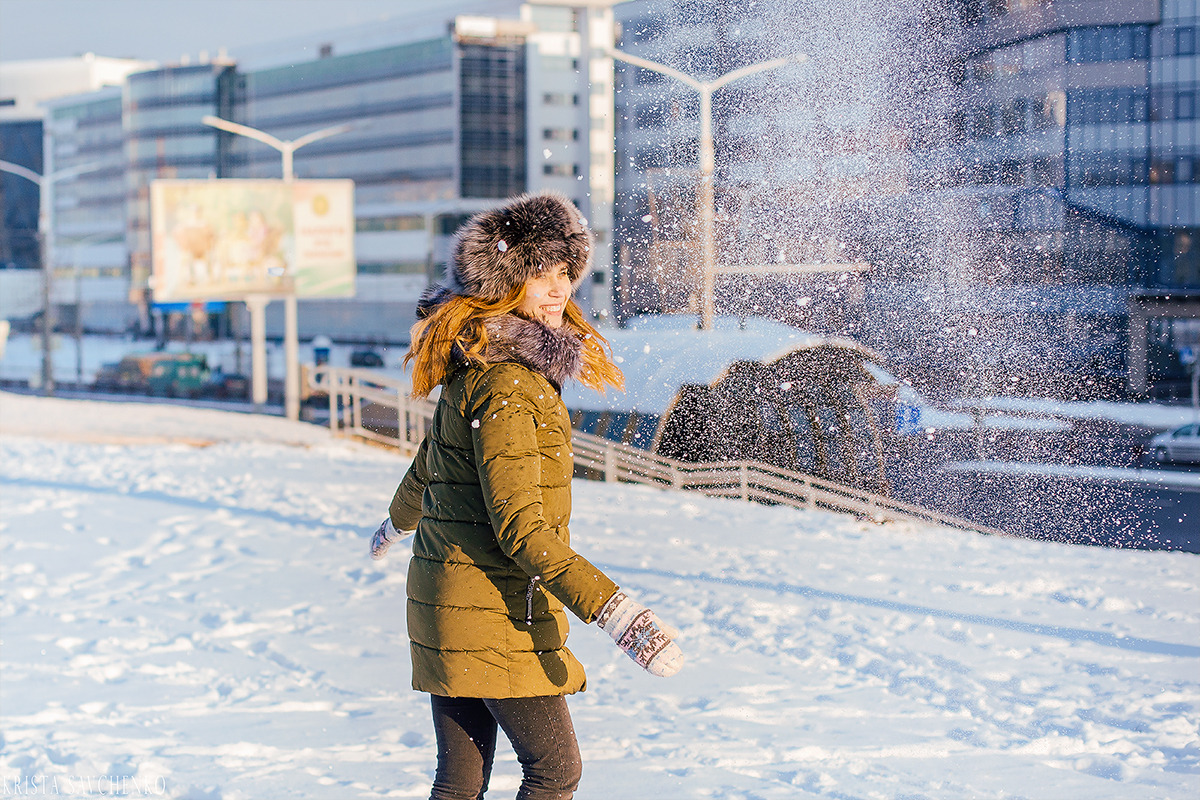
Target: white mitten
column 384, row 537
column 641, row 634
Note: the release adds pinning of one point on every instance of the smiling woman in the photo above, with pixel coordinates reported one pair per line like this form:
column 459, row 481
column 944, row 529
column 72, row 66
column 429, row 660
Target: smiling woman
column 493, row 571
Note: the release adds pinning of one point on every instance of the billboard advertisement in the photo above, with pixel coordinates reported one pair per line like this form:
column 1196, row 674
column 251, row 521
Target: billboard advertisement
column 228, row 239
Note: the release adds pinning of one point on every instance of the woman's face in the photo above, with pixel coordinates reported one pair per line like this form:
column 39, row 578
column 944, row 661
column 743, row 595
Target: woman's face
column 546, row 296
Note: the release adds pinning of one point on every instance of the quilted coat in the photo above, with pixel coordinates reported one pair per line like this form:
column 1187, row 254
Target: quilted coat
column 489, row 494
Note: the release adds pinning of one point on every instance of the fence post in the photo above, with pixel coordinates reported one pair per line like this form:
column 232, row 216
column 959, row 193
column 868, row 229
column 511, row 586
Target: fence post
column 610, row 463
column 744, row 481
column 334, row 384
column 810, row 497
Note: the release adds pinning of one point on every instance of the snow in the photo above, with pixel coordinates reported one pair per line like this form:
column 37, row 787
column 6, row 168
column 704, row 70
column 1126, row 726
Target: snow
column 189, row 607
column 658, row 353
column 1148, row 415
column 1149, row 477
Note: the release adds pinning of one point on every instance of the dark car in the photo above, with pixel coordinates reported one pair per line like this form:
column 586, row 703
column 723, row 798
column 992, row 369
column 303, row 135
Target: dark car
column 365, row 358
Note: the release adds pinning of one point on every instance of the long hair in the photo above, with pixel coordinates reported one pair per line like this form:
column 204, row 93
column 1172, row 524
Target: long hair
column 459, row 324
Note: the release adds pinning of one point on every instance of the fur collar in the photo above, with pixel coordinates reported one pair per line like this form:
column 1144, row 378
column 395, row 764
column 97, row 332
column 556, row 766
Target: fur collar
column 556, row 353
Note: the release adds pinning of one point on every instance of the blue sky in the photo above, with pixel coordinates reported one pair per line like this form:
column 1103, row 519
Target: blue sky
column 163, row 30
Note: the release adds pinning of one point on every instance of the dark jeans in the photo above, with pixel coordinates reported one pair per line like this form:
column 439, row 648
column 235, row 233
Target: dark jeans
column 541, row 733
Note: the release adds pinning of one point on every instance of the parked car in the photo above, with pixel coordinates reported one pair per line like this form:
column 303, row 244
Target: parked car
column 167, row 374
column 1179, row 445
column 365, row 358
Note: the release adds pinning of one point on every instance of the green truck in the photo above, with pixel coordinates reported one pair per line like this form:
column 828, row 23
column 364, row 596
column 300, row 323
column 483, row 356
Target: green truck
column 162, row 374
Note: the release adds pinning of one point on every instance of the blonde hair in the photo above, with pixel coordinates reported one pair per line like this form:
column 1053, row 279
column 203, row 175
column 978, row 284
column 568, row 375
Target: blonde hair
column 461, row 322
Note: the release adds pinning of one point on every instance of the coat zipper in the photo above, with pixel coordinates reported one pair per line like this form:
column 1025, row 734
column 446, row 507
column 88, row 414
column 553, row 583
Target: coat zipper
column 529, row 600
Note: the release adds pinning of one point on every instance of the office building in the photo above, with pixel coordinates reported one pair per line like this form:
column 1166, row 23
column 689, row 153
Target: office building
column 439, row 123
column 24, row 88
column 1019, row 176
column 1065, row 142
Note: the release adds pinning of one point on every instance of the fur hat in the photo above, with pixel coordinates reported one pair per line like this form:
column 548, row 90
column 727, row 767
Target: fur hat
column 499, row 250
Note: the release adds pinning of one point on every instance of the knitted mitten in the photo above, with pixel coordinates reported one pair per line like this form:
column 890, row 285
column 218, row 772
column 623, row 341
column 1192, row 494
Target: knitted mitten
column 641, row 634
column 384, row 537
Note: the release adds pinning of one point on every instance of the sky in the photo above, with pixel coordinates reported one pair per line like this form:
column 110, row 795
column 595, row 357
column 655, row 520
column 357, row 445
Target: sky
column 163, row 30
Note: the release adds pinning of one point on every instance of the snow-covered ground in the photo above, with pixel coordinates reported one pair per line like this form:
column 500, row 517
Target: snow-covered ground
column 188, row 611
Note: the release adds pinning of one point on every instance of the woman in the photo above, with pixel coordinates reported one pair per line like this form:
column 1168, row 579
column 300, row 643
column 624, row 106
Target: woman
column 489, row 494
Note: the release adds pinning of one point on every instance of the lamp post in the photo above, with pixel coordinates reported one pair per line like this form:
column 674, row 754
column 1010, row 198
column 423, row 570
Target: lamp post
column 258, row 303
column 76, row 268
column 708, row 247
column 45, row 185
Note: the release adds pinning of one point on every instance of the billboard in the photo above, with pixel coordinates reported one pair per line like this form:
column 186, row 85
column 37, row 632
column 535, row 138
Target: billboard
column 228, row 239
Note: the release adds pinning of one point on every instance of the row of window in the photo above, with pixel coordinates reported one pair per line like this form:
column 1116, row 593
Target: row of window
column 560, row 134
column 560, row 99
column 1085, row 107
column 416, row 58
column 1009, row 118
column 1095, row 170
column 1088, row 170
column 1080, row 46
column 1110, row 43
column 404, row 222
column 492, row 180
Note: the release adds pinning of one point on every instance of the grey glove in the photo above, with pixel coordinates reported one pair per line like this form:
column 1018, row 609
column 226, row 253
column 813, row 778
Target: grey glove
column 641, row 634
column 384, row 537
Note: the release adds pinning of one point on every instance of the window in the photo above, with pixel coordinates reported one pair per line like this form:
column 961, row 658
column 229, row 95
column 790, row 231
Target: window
column 985, row 174
column 560, row 170
column 1053, row 111
column 693, row 12
column 1012, row 173
column 560, row 99
column 1012, row 117
column 1162, row 171
column 648, row 77
column 651, row 115
column 1042, row 172
column 1185, row 105
column 1111, row 43
column 560, row 134
column 401, row 223
column 1108, row 106
column 983, row 122
column 958, row 127
column 645, row 29
column 560, row 63
column 1186, row 170
column 1185, row 41
column 1098, row 170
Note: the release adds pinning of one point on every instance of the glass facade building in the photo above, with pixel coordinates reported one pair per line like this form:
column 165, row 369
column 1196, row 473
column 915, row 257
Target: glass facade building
column 1067, row 137
column 20, row 144
column 1019, row 175
column 164, row 138
column 91, row 254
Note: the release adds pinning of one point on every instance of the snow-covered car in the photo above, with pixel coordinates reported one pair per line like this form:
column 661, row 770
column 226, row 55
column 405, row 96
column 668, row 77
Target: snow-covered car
column 1181, row 444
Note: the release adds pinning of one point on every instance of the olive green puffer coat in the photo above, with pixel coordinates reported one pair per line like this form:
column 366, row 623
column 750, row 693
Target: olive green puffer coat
column 489, row 494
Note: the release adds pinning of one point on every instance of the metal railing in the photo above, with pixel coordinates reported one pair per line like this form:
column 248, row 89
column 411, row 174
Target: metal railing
column 378, row 408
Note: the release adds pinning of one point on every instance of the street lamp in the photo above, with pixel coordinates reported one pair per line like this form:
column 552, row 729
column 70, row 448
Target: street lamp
column 45, row 185
column 707, row 158
column 258, row 303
